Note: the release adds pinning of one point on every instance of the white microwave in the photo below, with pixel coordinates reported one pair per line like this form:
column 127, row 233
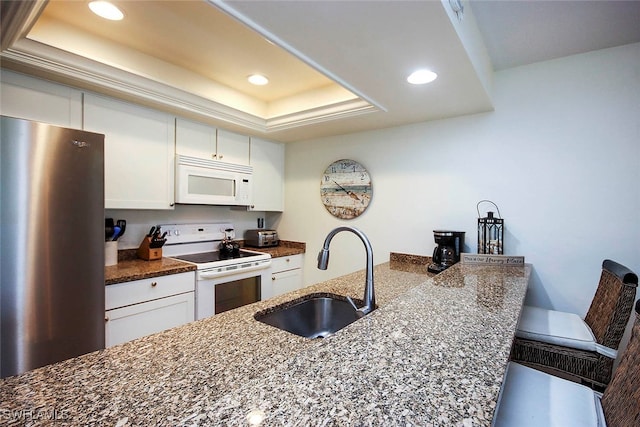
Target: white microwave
column 210, row 182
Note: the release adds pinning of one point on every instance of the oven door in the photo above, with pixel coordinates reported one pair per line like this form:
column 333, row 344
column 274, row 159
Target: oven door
column 215, row 295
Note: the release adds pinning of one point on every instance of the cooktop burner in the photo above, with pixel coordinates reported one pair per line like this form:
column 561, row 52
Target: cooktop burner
column 199, row 244
column 203, row 257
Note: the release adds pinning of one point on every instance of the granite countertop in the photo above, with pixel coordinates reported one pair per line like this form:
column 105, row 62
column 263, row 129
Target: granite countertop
column 285, row 248
column 130, row 267
column 433, row 353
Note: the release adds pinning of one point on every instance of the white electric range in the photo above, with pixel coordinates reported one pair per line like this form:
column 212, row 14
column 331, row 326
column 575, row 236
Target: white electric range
column 223, row 280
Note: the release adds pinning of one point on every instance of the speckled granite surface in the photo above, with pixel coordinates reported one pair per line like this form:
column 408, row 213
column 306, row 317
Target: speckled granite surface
column 130, row 267
column 433, row 353
column 285, row 248
column 136, row 269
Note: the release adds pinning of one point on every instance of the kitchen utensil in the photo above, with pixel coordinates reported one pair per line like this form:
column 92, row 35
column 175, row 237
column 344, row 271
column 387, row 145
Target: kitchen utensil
column 151, row 231
column 156, row 240
column 116, row 233
column 123, row 226
column 108, row 229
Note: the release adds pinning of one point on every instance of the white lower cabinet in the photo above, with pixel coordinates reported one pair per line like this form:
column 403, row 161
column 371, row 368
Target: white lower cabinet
column 143, row 307
column 286, row 274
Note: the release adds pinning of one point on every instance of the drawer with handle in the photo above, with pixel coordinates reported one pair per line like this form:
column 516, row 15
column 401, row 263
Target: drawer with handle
column 286, row 263
column 137, row 291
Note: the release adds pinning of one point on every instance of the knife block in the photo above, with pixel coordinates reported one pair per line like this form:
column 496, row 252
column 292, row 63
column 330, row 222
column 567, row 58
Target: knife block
column 147, row 253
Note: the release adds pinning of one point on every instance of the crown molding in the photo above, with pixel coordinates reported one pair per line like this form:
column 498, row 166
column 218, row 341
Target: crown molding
column 336, row 111
column 17, row 18
column 55, row 64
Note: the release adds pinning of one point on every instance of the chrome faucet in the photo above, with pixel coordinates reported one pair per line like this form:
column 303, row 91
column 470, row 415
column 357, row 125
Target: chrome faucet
column 323, row 263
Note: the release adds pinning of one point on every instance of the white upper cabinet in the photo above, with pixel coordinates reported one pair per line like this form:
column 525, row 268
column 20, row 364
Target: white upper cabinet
column 195, row 139
column 206, row 142
column 232, row 147
column 141, row 143
column 29, row 98
column 139, row 153
column 267, row 159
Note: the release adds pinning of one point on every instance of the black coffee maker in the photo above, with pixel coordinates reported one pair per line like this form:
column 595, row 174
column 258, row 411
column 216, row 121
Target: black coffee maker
column 447, row 253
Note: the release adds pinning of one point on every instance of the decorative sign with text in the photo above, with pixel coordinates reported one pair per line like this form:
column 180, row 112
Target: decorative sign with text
column 488, row 259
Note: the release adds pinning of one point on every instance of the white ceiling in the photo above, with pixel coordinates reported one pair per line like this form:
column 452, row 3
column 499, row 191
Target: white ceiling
column 335, row 67
column 523, row 32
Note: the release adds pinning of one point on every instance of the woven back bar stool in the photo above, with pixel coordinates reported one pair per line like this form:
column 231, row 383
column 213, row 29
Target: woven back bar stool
column 531, row 398
column 563, row 342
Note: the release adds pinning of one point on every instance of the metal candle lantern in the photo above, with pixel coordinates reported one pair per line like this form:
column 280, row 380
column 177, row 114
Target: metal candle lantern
column 490, row 232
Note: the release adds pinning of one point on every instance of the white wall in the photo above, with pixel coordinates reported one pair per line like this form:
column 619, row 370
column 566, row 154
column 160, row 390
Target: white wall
column 560, row 156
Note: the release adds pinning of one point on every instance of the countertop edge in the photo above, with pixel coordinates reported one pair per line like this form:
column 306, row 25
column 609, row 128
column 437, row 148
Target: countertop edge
column 130, row 268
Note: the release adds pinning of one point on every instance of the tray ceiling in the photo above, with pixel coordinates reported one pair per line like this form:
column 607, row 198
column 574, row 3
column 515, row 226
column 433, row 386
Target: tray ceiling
column 334, row 67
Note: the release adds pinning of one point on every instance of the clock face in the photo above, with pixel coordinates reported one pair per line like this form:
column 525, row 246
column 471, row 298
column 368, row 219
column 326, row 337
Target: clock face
column 346, row 189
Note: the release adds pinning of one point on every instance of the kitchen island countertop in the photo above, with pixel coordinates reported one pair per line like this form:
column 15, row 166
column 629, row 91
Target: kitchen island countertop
column 433, row 353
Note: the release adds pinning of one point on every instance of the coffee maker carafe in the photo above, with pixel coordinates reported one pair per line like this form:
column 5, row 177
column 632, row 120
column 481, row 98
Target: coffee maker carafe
column 448, row 249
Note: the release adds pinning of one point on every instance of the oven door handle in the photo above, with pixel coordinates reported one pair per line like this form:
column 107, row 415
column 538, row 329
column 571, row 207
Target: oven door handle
column 260, row 265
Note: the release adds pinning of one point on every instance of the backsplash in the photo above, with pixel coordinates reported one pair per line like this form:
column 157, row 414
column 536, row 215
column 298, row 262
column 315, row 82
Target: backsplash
column 140, row 221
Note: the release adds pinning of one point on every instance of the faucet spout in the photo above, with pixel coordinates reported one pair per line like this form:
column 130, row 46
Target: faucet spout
column 323, row 263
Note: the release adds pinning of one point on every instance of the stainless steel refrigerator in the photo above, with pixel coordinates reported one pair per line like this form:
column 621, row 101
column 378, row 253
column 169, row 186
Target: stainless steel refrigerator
column 51, row 244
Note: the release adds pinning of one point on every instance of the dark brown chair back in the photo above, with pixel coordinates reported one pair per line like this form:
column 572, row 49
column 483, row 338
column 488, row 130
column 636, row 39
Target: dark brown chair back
column 621, row 399
column 611, row 306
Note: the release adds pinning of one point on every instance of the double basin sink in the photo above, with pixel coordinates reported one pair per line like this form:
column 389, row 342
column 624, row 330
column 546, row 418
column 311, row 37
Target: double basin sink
column 312, row 316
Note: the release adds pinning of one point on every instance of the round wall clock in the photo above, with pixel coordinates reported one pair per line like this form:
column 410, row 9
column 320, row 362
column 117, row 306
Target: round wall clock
column 346, row 189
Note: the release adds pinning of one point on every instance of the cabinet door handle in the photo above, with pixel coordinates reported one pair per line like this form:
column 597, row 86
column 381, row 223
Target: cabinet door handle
column 273, row 277
column 106, row 318
column 154, row 284
column 219, row 156
column 288, row 260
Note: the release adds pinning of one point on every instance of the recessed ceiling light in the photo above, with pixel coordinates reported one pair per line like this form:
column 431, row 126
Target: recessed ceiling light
column 106, row 10
column 421, row 77
column 258, row 79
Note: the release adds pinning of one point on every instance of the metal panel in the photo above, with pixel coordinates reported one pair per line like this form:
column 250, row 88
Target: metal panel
column 51, row 244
